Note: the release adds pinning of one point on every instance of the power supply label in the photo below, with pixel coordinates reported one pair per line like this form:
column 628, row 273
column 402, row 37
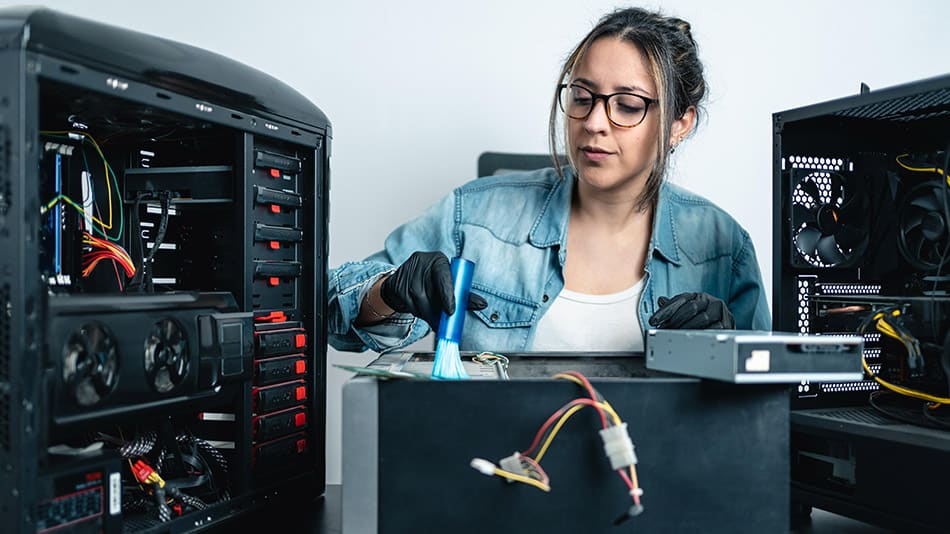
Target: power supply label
column 79, row 498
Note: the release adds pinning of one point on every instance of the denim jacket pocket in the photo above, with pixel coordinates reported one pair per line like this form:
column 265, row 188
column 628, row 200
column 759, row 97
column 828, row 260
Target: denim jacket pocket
column 505, row 311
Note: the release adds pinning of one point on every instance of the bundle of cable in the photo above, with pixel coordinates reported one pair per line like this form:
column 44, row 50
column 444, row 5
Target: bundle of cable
column 448, row 362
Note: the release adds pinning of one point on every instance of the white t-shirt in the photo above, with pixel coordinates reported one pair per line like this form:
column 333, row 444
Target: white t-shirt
column 581, row 322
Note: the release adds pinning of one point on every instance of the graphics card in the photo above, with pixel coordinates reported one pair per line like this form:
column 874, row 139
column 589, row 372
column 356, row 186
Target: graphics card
column 114, row 355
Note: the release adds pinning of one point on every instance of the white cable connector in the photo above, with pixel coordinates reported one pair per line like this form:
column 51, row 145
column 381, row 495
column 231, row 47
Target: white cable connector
column 483, row 466
column 618, row 446
column 512, row 464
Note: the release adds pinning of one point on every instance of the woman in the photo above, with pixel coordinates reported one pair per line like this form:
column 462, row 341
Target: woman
column 578, row 257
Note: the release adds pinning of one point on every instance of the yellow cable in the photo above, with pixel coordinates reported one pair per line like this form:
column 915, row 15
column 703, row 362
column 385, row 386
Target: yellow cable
column 572, row 411
column 916, row 169
column 521, row 478
column 557, row 427
column 902, row 390
column 572, row 378
column 894, row 387
column 105, row 165
column 565, row 417
column 79, row 208
column 920, row 169
column 603, row 403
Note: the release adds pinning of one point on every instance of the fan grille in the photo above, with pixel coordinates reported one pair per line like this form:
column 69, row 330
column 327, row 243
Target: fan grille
column 90, row 364
column 924, row 237
column 166, row 356
column 828, row 226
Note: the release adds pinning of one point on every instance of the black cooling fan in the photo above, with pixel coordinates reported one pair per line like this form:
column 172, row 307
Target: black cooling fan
column 829, row 220
column 922, row 222
column 90, row 364
column 166, row 356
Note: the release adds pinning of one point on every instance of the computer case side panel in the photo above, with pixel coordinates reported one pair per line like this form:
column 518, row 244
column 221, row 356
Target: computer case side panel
column 21, row 308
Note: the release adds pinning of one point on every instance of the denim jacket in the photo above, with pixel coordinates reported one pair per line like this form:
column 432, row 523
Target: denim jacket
column 514, row 227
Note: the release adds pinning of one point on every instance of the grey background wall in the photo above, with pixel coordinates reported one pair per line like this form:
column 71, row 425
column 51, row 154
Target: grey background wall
column 416, row 89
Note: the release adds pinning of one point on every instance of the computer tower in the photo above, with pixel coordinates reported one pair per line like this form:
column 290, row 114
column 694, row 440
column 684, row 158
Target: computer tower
column 163, row 221
column 861, row 245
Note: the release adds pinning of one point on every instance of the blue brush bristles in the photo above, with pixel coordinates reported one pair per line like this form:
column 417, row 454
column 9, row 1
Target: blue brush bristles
column 448, row 362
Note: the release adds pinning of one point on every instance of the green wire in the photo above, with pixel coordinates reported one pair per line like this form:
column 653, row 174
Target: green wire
column 72, row 203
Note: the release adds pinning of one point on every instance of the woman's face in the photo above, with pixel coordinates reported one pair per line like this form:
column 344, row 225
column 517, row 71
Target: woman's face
column 610, row 158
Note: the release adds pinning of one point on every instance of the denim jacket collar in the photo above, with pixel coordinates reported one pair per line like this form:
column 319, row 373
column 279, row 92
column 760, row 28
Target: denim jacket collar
column 550, row 228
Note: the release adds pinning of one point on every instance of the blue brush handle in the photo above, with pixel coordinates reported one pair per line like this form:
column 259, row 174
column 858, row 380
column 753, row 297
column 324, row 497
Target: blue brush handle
column 450, row 326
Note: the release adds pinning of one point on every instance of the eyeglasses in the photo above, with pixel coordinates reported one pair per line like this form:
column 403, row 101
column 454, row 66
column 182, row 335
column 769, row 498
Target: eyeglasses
column 625, row 110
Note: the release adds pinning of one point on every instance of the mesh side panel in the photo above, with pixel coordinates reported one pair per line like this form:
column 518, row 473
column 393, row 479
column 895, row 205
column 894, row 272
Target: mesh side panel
column 928, row 105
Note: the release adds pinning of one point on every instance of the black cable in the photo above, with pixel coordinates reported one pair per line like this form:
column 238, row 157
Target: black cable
column 165, row 201
column 928, row 415
column 140, row 446
column 164, row 512
column 142, row 281
column 903, row 416
column 136, row 501
column 206, row 447
column 202, row 448
column 139, row 249
column 194, row 502
column 890, row 405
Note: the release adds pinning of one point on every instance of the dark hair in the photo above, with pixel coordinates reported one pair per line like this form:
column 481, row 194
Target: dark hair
column 677, row 72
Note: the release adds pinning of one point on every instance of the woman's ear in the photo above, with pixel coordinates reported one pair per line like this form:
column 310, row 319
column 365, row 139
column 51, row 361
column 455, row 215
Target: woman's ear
column 682, row 126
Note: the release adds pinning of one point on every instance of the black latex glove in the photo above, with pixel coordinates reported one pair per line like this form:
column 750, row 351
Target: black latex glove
column 423, row 287
column 692, row 311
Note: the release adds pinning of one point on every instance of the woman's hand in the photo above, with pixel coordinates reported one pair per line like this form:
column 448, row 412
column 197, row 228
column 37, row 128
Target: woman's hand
column 422, row 286
column 695, row 311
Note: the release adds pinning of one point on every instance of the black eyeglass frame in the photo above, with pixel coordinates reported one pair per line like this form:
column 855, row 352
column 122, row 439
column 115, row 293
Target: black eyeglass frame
column 606, row 98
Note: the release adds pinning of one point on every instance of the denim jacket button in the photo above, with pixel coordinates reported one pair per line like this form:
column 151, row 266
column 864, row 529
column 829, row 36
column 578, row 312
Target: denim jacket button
column 544, row 298
column 494, row 317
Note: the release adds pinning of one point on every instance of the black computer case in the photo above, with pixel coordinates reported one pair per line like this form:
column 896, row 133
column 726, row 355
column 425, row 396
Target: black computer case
column 163, row 252
column 861, row 245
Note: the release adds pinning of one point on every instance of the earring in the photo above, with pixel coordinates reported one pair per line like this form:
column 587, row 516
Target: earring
column 674, row 145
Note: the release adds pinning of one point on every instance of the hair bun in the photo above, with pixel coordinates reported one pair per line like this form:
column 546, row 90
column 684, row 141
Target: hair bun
column 682, row 26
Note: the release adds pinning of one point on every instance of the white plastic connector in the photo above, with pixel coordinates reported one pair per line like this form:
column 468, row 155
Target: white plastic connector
column 512, row 464
column 618, row 446
column 483, row 466
column 636, row 492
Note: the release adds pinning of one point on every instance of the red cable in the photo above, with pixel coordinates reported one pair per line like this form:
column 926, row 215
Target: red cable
column 591, row 392
column 554, row 417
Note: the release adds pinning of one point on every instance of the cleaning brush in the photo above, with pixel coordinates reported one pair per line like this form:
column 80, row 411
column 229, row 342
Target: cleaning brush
column 448, row 363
